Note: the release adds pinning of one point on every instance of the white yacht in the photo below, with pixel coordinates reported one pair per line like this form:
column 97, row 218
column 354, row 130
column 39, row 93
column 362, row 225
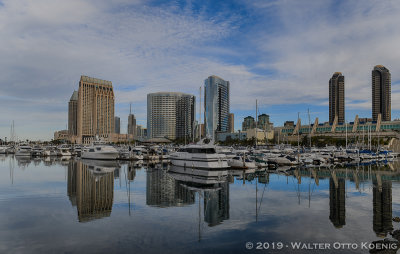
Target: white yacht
column 199, row 156
column 242, row 162
column 50, row 151
column 3, row 149
column 100, row 151
column 64, row 151
column 23, row 150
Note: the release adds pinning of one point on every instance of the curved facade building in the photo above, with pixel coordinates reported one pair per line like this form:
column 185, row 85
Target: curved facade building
column 170, row 115
column 381, row 93
column 216, row 104
column 336, row 98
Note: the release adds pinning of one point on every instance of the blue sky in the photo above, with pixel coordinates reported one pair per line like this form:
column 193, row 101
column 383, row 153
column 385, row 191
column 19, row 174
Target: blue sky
column 281, row 53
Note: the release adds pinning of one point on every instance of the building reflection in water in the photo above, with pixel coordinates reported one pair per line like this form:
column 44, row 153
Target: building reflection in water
column 163, row 191
column 91, row 188
column 178, row 187
column 337, row 201
column 216, row 204
column 382, row 207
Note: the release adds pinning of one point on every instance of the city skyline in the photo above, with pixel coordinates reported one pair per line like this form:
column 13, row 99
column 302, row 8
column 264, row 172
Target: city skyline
column 265, row 49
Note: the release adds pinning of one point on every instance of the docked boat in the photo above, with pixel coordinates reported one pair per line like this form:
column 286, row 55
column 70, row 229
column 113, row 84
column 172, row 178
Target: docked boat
column 3, row 149
column 64, row 151
column 242, row 162
column 24, row 150
column 100, row 151
column 50, row 151
column 199, row 156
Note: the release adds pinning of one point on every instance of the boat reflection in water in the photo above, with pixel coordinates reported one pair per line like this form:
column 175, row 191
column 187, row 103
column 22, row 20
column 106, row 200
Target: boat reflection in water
column 212, row 186
column 91, row 188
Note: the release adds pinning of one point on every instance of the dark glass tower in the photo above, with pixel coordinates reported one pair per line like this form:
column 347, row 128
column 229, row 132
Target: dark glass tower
column 381, row 93
column 336, row 98
column 216, row 104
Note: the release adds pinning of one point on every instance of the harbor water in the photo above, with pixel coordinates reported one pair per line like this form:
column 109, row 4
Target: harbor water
column 57, row 205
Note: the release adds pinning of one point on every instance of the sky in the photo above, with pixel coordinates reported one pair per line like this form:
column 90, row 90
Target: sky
column 280, row 53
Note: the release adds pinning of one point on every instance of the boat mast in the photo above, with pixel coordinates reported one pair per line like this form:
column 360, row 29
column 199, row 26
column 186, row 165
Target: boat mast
column 309, row 126
column 346, row 132
column 256, row 123
column 200, row 116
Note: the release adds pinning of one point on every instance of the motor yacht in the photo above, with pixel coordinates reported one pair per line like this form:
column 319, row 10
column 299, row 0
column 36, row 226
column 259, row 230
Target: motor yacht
column 100, row 151
column 23, row 150
column 242, row 162
column 199, row 156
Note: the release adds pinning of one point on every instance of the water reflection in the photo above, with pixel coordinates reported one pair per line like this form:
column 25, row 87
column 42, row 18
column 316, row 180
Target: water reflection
column 337, row 202
column 162, row 190
column 359, row 202
column 91, row 188
column 382, row 207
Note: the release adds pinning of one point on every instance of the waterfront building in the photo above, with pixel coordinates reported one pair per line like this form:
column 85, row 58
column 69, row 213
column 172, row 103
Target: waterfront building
column 95, row 109
column 231, row 121
column 170, row 115
column 336, row 98
column 248, row 123
column 226, row 136
column 216, row 104
column 382, row 207
column 62, row 135
column 337, row 202
column 73, row 114
column 359, row 125
column 381, row 93
column 117, row 125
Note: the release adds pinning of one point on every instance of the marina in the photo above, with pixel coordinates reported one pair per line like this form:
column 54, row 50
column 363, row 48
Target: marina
column 55, row 204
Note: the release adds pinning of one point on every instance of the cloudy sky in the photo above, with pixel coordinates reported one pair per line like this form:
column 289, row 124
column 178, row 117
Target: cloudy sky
column 281, row 53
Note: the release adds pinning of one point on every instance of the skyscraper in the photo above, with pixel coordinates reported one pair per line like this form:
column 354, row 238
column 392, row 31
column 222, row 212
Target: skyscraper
column 170, row 115
column 131, row 123
column 231, row 121
column 117, row 125
column 248, row 123
column 336, row 98
column 95, row 109
column 264, row 123
column 216, row 103
column 73, row 114
column 381, row 93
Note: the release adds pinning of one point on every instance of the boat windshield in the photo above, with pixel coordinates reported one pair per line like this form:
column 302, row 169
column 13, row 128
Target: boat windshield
column 198, row 150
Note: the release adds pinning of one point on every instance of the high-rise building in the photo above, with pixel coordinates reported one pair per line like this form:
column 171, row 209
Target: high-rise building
column 381, row 93
column 73, row 114
column 264, row 123
column 336, row 98
column 231, row 121
column 216, row 103
column 117, row 125
column 248, row 123
column 131, row 123
column 170, row 115
column 95, row 109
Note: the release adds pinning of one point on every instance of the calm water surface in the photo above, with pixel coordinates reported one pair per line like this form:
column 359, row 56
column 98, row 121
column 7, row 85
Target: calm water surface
column 73, row 206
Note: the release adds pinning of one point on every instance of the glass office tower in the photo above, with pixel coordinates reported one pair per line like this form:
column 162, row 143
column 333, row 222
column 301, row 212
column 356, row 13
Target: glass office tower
column 216, row 104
